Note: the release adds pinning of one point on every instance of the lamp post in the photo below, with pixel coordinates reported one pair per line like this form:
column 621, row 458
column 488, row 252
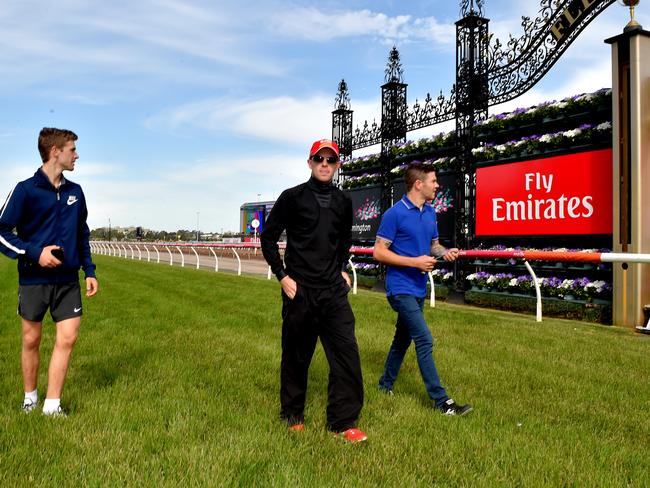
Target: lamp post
column 109, row 229
column 198, row 234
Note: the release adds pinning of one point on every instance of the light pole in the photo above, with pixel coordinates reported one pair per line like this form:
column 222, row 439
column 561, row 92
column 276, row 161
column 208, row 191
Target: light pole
column 109, row 229
column 198, row 234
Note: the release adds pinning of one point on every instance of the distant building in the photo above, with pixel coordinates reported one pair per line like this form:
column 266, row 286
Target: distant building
column 253, row 210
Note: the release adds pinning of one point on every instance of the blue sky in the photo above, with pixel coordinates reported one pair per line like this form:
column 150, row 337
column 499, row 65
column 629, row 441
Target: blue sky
column 200, row 105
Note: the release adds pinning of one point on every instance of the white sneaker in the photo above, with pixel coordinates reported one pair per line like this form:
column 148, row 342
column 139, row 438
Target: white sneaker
column 59, row 412
column 29, row 406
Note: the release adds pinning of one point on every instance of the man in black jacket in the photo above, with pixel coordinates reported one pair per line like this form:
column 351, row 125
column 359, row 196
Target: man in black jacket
column 318, row 219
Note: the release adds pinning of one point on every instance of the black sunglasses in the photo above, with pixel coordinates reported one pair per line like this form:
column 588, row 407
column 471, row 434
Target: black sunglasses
column 330, row 159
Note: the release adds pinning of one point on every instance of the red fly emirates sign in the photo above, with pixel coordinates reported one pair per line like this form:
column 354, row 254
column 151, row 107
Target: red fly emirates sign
column 569, row 194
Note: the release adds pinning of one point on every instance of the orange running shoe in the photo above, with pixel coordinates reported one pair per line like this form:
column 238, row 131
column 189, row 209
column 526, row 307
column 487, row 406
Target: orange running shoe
column 352, row 435
column 296, row 427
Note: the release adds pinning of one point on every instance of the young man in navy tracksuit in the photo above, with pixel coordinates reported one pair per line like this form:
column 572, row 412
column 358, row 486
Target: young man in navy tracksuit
column 51, row 243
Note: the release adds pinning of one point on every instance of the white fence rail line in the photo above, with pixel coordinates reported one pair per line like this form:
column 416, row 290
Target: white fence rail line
column 120, row 250
column 113, row 249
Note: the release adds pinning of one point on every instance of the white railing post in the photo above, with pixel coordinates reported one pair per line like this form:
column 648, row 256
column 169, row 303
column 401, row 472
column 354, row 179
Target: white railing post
column 354, row 276
column 157, row 254
column 139, row 252
column 432, row 300
column 180, row 251
column 197, row 257
column 171, row 258
column 538, row 292
column 126, row 253
column 148, row 255
column 238, row 261
column 216, row 260
column 268, row 274
column 132, row 251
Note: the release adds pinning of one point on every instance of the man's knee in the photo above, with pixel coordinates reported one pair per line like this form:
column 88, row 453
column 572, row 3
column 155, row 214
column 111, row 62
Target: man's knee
column 31, row 335
column 66, row 341
column 67, row 333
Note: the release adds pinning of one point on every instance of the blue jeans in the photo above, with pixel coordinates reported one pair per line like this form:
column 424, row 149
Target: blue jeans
column 411, row 326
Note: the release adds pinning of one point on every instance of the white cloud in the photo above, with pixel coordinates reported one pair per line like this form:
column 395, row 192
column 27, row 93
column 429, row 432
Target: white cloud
column 287, row 120
column 313, row 24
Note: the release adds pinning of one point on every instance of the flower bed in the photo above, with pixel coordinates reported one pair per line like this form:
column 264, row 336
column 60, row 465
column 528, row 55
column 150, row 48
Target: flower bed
column 581, row 289
column 369, row 161
column 586, row 102
column 586, row 134
column 359, row 181
column 425, row 145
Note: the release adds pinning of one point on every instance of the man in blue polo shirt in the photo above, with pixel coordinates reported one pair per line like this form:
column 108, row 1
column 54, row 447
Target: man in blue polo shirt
column 407, row 241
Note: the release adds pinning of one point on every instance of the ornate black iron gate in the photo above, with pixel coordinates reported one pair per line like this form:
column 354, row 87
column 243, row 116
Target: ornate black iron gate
column 487, row 73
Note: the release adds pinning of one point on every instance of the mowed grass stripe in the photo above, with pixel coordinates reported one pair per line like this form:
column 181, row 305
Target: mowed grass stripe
column 175, row 380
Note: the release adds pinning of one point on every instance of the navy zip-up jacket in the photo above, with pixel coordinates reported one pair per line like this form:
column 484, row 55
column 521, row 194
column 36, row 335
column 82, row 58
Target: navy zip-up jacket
column 43, row 215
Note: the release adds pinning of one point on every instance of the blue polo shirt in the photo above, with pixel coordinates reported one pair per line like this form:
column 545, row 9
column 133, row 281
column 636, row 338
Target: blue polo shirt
column 410, row 230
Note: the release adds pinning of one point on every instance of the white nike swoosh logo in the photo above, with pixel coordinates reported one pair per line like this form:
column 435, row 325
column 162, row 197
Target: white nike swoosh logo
column 71, row 200
column 77, row 310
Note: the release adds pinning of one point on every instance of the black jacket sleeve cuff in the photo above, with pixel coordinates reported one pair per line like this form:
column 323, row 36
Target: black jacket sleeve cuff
column 281, row 274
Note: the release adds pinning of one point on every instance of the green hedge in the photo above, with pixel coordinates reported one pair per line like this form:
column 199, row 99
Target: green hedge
column 553, row 307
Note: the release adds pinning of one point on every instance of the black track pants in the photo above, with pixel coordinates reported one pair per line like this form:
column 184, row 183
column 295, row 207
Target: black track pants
column 324, row 313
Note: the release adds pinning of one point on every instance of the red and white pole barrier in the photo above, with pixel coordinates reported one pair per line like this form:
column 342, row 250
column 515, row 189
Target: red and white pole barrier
column 563, row 256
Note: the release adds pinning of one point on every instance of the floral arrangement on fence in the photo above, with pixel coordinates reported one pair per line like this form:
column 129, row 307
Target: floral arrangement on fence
column 568, row 289
column 585, row 134
column 368, row 161
column 363, row 180
column 426, row 144
column 439, row 163
column 442, row 276
column 547, row 110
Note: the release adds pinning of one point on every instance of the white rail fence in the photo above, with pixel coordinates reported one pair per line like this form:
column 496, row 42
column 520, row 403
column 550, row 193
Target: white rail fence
column 119, row 250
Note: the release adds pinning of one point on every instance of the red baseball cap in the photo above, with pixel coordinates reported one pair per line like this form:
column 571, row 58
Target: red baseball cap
column 318, row 145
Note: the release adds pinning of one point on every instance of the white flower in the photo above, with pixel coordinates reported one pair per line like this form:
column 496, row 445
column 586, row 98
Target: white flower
column 471, row 277
column 478, row 150
column 501, row 147
column 545, row 138
column 571, row 133
column 566, row 284
column 448, row 276
column 604, row 126
column 513, row 283
column 491, row 279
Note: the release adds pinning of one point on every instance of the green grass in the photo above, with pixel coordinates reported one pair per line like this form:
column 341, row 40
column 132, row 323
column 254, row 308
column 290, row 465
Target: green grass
column 174, row 381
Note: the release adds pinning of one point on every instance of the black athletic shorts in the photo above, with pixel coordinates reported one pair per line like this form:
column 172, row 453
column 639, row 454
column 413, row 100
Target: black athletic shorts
column 64, row 301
